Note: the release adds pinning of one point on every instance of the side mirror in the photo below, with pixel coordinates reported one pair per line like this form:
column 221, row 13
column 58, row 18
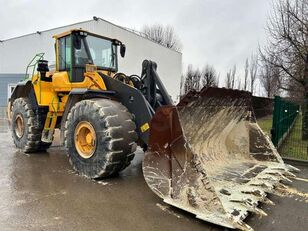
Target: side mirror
column 122, row 50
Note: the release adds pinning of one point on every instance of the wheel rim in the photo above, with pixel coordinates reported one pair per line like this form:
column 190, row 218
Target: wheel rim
column 19, row 126
column 85, row 139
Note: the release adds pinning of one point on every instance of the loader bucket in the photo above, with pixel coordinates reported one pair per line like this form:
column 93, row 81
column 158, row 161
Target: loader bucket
column 208, row 156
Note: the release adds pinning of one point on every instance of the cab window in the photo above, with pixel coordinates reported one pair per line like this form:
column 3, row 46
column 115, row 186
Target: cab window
column 65, row 56
column 81, row 55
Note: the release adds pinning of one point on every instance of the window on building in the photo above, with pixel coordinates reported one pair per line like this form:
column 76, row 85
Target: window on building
column 11, row 87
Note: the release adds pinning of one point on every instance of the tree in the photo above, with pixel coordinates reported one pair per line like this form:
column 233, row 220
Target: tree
column 245, row 87
column 209, row 77
column 163, row 35
column 253, row 70
column 269, row 76
column 188, row 79
column 288, row 48
column 194, row 79
column 239, row 84
column 197, row 79
column 230, row 78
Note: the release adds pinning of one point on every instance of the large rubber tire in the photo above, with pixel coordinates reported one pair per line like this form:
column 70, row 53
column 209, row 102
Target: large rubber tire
column 30, row 140
column 115, row 137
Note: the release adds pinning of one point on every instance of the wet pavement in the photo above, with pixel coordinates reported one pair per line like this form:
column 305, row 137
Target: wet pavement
column 41, row 192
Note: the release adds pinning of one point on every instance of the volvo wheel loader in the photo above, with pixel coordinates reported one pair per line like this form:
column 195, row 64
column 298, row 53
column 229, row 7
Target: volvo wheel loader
column 206, row 155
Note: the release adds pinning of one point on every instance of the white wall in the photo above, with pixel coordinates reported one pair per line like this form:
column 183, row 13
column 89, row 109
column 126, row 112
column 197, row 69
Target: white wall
column 16, row 53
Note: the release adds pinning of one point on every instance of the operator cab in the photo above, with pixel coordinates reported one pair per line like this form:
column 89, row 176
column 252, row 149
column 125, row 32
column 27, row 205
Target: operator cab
column 77, row 48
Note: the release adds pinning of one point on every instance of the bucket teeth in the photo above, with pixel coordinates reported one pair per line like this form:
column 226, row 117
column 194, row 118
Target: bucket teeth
column 292, row 168
column 289, row 174
column 285, row 170
column 281, row 185
column 277, row 175
column 253, row 208
column 284, row 177
column 256, row 192
column 243, row 226
column 267, row 201
column 250, row 202
column 264, row 185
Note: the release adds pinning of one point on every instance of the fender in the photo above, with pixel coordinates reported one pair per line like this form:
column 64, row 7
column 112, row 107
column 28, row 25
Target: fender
column 136, row 104
column 77, row 95
column 25, row 89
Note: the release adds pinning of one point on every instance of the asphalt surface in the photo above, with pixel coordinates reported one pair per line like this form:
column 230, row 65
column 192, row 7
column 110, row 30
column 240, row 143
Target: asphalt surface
column 41, row 192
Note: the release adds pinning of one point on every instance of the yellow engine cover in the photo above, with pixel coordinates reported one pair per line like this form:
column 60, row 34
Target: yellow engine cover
column 48, row 93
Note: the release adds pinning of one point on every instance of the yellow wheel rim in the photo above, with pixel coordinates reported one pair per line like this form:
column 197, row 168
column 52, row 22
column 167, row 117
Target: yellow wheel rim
column 20, row 126
column 85, row 139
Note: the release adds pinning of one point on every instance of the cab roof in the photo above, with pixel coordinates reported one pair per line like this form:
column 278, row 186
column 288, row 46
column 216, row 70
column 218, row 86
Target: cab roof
column 63, row 34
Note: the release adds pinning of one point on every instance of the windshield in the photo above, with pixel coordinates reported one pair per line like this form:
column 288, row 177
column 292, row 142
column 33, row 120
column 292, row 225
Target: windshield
column 102, row 51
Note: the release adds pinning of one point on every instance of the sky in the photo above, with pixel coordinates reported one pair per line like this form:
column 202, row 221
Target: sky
column 217, row 32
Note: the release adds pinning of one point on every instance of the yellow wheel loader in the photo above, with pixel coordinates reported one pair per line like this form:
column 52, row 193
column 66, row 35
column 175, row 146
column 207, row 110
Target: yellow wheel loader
column 206, row 155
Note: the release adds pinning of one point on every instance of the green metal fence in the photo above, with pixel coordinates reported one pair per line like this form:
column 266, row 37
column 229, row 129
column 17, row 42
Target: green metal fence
column 284, row 116
column 287, row 129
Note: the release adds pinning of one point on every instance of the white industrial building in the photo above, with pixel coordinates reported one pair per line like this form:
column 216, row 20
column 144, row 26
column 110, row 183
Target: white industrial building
column 16, row 53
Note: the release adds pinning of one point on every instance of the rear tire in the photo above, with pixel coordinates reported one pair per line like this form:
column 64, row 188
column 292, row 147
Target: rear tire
column 99, row 137
column 26, row 129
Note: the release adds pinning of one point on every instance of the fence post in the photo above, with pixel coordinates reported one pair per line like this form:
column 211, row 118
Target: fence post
column 275, row 127
column 305, row 106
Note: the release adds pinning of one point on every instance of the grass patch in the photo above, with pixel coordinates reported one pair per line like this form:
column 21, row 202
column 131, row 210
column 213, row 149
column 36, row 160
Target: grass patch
column 265, row 124
column 293, row 146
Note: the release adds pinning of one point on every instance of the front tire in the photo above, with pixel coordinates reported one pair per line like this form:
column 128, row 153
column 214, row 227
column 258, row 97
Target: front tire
column 26, row 129
column 99, row 137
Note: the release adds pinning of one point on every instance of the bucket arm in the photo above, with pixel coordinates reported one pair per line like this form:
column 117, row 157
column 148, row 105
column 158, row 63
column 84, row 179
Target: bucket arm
column 155, row 91
column 142, row 101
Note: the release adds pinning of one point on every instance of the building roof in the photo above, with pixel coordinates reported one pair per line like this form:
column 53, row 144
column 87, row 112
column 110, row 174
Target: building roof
column 138, row 33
